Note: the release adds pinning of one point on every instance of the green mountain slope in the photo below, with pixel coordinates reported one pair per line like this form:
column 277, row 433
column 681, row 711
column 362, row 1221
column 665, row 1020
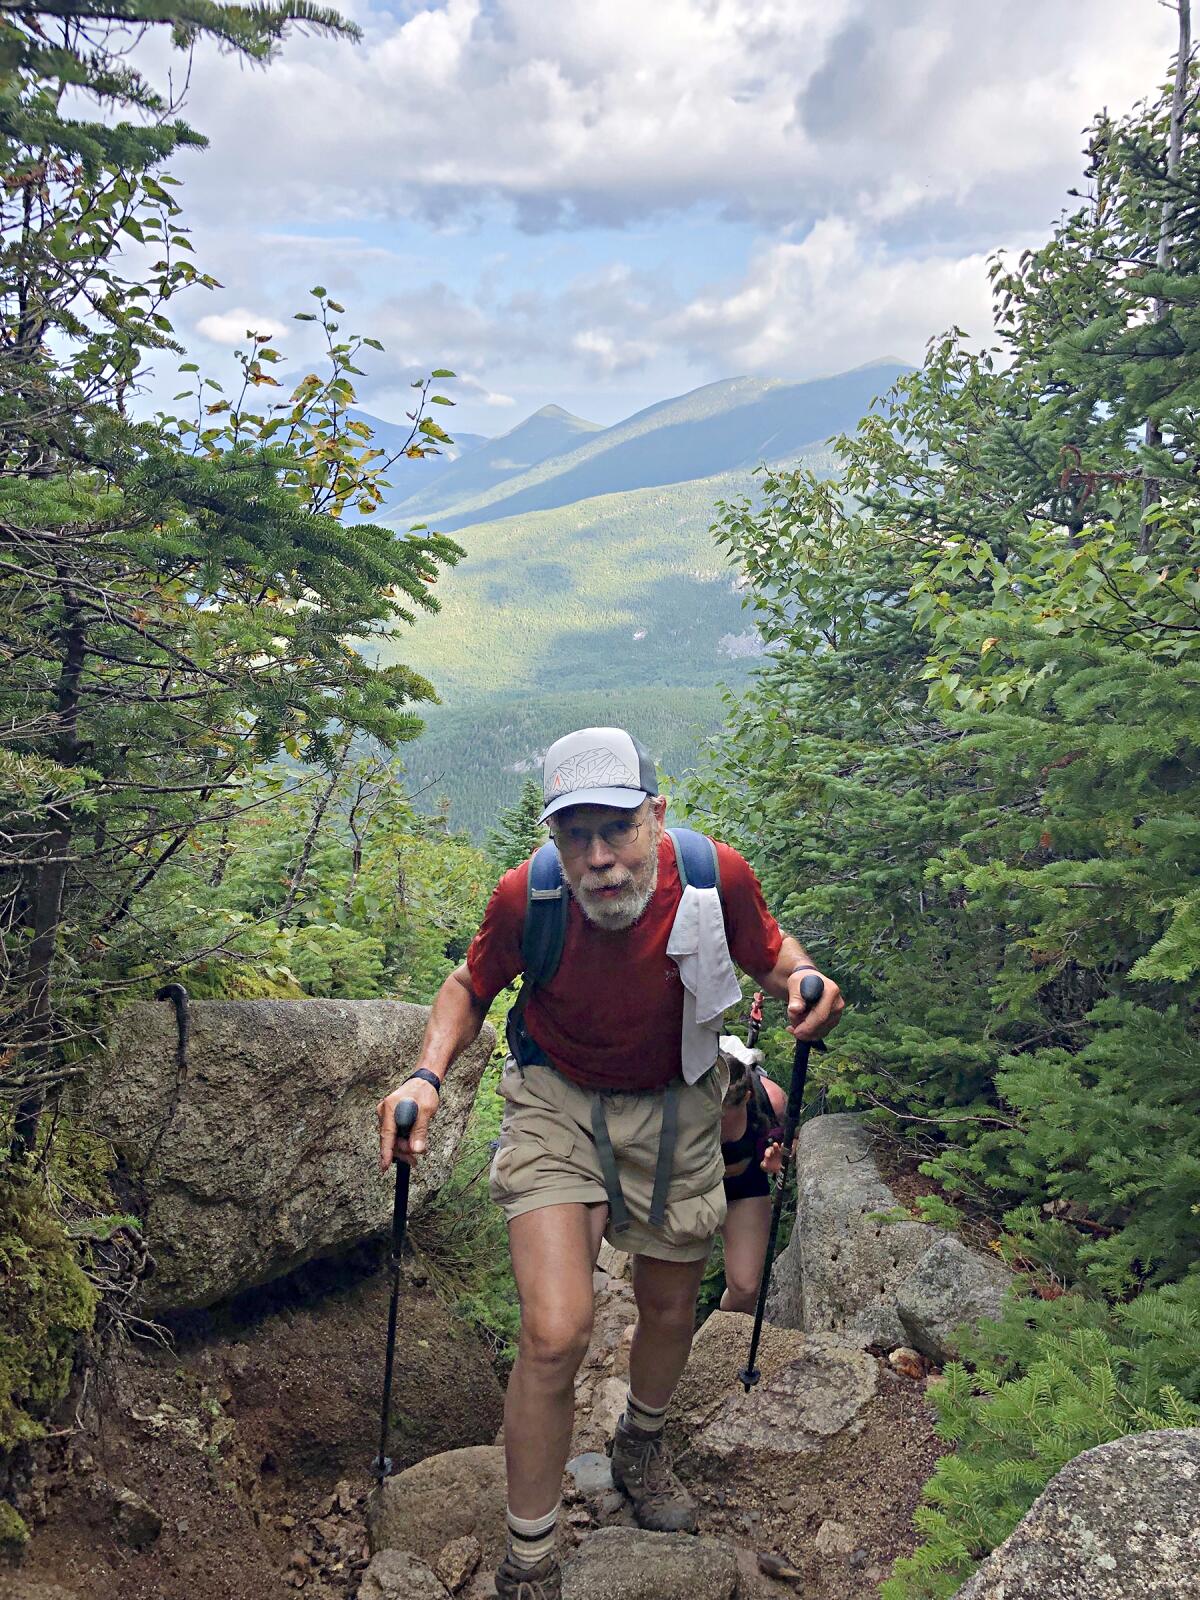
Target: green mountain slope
column 723, row 427
column 615, row 609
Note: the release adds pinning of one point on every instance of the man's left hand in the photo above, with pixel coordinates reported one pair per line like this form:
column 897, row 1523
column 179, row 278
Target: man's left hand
column 809, row 1023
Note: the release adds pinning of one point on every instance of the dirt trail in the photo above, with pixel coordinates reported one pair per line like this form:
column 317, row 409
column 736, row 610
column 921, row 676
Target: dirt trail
column 252, row 1441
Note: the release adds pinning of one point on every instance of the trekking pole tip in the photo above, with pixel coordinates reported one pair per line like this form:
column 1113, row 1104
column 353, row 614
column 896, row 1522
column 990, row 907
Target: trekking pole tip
column 381, row 1467
column 749, row 1377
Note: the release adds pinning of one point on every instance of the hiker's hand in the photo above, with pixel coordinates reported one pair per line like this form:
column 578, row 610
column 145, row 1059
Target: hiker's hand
column 810, row 1023
column 390, row 1143
column 772, row 1161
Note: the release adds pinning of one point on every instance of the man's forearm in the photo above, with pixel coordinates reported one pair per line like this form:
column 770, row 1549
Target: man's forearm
column 455, row 1019
column 792, row 954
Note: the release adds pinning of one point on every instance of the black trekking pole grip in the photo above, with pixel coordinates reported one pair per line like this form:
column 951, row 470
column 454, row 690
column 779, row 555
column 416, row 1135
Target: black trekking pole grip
column 406, row 1115
column 407, row 1112
column 811, row 989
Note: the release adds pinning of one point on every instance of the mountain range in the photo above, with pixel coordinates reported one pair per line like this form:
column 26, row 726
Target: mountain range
column 592, row 590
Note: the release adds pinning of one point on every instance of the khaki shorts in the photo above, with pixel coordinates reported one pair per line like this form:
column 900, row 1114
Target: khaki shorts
column 547, row 1157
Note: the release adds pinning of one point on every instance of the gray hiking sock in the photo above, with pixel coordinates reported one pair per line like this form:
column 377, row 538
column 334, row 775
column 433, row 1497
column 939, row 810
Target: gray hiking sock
column 531, row 1539
column 647, row 1419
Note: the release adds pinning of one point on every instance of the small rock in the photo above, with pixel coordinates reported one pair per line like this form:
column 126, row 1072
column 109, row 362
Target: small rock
column 455, row 1565
column 442, row 1498
column 287, row 1523
column 299, row 1559
column 400, row 1575
column 631, row 1564
column 614, row 1262
column 135, row 1521
column 787, row 1503
column 859, row 1558
column 343, row 1496
column 579, row 1517
column 591, row 1472
column 950, row 1286
column 907, row 1362
column 608, row 1404
column 833, row 1539
column 774, row 1566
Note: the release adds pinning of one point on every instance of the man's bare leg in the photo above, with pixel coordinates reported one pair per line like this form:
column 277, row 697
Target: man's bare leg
column 666, row 1293
column 553, row 1252
column 666, row 1298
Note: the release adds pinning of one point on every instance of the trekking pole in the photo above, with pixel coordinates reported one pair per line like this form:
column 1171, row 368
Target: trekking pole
column 756, row 1019
column 812, row 987
column 406, row 1115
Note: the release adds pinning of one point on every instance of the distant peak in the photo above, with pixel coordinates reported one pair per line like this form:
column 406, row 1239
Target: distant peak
column 558, row 414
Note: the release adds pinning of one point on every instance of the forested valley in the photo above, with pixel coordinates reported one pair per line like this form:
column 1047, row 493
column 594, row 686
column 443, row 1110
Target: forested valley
column 967, row 768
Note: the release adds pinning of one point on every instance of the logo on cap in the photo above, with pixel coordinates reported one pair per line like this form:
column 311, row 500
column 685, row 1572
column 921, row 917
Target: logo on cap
column 595, row 769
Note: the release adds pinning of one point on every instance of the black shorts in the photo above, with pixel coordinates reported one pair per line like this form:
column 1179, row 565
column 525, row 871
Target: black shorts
column 754, row 1181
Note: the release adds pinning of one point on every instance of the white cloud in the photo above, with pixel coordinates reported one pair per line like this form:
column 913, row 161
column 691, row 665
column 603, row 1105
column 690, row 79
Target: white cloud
column 875, row 154
column 829, row 302
column 232, row 327
column 766, row 108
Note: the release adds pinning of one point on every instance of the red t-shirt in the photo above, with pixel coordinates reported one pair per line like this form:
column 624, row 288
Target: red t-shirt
column 612, row 1015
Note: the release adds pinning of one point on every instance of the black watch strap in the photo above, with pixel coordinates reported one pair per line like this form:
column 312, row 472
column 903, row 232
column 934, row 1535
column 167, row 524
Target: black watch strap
column 426, row 1077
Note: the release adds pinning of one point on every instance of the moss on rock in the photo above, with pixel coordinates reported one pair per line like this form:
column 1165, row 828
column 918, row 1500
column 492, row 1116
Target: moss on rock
column 46, row 1305
column 14, row 1533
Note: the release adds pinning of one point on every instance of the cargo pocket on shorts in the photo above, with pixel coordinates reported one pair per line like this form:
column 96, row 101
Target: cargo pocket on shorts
column 692, row 1222
column 532, row 1150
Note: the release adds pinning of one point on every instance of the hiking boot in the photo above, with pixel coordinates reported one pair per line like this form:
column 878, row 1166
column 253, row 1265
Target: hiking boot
column 641, row 1465
column 543, row 1582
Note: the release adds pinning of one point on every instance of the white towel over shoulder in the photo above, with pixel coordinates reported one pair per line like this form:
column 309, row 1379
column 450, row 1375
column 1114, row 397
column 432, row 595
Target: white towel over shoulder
column 700, row 950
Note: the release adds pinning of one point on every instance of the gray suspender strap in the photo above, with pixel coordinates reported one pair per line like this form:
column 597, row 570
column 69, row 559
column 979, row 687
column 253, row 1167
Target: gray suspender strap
column 666, row 1153
column 618, row 1211
column 668, row 1137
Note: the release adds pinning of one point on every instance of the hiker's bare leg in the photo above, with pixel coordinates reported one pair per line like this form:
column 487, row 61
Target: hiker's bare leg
column 553, row 1250
column 665, row 1292
column 746, row 1231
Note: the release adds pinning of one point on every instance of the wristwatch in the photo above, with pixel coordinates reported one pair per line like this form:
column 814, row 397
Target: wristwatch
column 426, row 1077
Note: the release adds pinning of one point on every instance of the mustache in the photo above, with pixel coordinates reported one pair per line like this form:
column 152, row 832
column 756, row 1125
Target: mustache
column 617, row 878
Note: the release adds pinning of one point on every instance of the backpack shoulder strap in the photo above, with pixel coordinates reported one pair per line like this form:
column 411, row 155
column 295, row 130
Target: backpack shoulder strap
column 545, row 916
column 696, row 859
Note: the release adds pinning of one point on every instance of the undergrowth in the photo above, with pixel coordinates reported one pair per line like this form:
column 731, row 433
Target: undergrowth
column 462, row 1236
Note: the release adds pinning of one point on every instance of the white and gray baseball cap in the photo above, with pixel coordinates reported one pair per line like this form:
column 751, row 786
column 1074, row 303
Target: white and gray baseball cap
column 596, row 767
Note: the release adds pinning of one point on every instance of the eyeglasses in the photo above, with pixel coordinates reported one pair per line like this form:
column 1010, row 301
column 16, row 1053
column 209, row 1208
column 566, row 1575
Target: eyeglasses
column 574, row 841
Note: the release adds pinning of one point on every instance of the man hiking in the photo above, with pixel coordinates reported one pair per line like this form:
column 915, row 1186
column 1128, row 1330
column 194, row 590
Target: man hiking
column 612, row 1121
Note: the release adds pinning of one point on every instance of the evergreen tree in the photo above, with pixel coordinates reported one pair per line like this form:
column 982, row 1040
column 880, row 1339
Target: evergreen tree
column 975, row 752
column 518, row 833
column 179, row 600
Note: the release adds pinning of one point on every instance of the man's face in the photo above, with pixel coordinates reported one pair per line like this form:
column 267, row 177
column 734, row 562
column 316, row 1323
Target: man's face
column 610, row 859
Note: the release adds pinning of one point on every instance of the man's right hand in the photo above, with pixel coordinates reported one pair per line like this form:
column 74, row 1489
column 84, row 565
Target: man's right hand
column 391, row 1145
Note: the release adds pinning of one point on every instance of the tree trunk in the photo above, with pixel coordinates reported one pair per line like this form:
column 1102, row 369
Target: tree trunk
column 310, row 838
column 48, row 884
column 1153, row 436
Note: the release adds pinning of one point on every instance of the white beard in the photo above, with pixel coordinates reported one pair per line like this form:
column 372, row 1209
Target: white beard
column 622, row 910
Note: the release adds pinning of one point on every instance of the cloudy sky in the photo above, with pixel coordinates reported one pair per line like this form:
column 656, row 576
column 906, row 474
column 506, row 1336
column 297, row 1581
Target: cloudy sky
column 603, row 204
